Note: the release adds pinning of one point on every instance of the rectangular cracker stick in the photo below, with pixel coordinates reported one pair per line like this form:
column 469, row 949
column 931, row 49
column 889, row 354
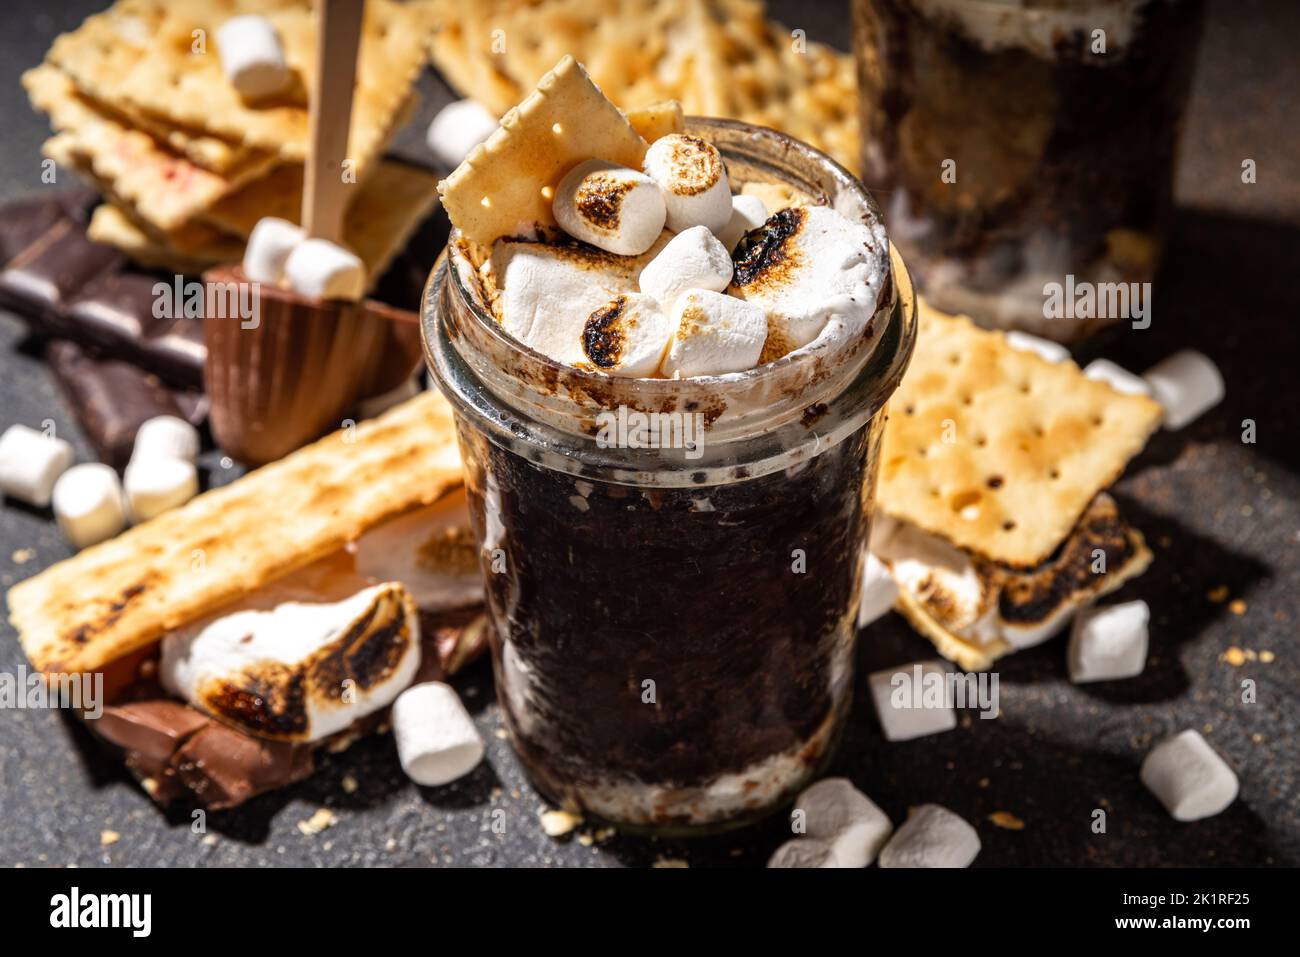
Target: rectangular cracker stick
column 113, row 226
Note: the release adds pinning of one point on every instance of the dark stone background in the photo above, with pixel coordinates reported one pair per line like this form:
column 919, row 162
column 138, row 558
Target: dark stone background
column 1217, row 512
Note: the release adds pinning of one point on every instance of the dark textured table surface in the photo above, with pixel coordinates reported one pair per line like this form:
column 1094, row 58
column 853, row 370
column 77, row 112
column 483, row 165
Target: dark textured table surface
column 1219, row 513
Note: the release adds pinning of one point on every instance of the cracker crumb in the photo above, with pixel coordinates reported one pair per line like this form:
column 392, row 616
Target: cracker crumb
column 1218, row 595
column 1237, row 606
column 559, row 823
column 22, row 556
column 1267, row 656
column 322, row 819
column 984, row 782
column 1234, row 656
column 586, row 839
column 210, row 840
column 501, row 733
column 108, row 837
column 1007, row 821
column 669, row 862
column 349, row 784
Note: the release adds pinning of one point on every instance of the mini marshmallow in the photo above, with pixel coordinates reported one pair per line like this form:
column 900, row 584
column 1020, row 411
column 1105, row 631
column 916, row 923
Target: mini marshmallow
column 747, row 212
column 325, row 270
column 804, row 852
column 628, row 336
column 918, row 713
column 932, row 836
column 30, row 463
column 879, row 591
column 714, row 334
column 693, row 179
column 1189, row 777
column 252, row 57
column 1118, row 378
column 1109, row 643
column 1187, row 384
column 612, row 207
column 693, row 259
column 1044, row 348
column 846, row 819
column 166, row 437
column 155, row 485
column 269, row 246
column 89, row 504
column 436, row 738
column 457, row 129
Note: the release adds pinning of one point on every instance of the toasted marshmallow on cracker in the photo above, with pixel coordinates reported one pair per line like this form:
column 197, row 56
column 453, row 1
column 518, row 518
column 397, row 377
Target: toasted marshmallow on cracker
column 714, row 334
column 808, row 264
column 693, row 259
column 269, row 246
column 612, row 207
column 325, row 270
column 458, row 128
column 252, row 57
column 693, row 179
column 300, row 671
column 627, row 336
column 89, row 504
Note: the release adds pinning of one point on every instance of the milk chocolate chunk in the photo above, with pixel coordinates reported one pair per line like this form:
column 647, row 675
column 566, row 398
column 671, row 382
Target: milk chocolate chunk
column 152, row 729
column 224, row 768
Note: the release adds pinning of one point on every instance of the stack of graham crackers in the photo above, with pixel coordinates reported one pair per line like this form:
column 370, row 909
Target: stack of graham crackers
column 716, row 57
column 140, row 106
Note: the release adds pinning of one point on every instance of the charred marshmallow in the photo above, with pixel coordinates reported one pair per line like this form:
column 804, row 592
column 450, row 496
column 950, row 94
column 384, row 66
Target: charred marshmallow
column 627, row 336
column 612, row 207
column 690, row 173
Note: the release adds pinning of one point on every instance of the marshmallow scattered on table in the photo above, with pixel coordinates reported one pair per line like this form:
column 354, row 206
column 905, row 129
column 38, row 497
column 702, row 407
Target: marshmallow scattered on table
column 612, row 207
column 436, row 738
column 693, row 259
column 1044, row 348
column 804, row 852
column 30, row 463
column 89, row 504
column 693, row 179
column 879, row 590
column 932, row 836
column 1117, row 377
column 269, row 246
column 1189, row 777
column 628, row 336
column 325, row 270
column 166, row 437
column 1109, row 642
column 906, row 723
column 155, row 485
column 714, row 334
column 252, row 57
column 840, row 815
column 1187, row 384
column 747, row 212
column 457, row 129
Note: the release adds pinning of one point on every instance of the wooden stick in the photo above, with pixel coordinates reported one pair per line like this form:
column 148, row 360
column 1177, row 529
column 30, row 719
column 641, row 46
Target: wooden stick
column 324, row 194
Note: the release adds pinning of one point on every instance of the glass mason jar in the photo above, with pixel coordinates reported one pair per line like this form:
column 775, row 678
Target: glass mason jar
column 674, row 625
column 1026, row 148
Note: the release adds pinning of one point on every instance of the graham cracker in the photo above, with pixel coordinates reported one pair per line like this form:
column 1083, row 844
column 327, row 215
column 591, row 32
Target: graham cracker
column 997, row 449
column 502, row 188
column 657, row 119
column 128, row 592
column 112, row 225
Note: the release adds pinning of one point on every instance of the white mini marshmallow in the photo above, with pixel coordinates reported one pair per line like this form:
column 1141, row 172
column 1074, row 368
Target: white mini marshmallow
column 919, row 711
column 1187, row 384
column 155, row 485
column 457, row 129
column 747, row 212
column 1044, row 348
column 612, row 207
column 166, row 437
column 252, row 57
column 714, row 334
column 436, row 738
column 379, row 404
column 932, row 836
column 269, row 246
column 693, row 259
column 30, row 462
column 808, row 265
column 879, row 591
column 89, row 504
column 691, row 174
column 1109, row 643
column 836, row 812
column 627, row 336
column 325, row 270
column 804, row 852
column 1189, row 777
column 1117, row 377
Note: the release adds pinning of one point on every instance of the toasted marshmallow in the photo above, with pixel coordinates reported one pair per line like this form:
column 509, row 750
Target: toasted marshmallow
column 436, row 738
column 839, row 814
column 30, row 463
column 932, row 836
column 299, row 672
column 806, row 265
column 1109, row 643
column 627, row 336
column 457, row 129
column 252, row 57
column 879, row 591
column 155, row 485
column 804, row 852
column 938, row 575
column 1043, row 348
column 612, row 207
column 167, row 437
column 1189, row 777
column 325, row 270
column 89, row 504
column 747, row 212
column 693, row 179
column 714, row 334
column 1187, row 384
column 1118, row 378
column 269, row 246
column 693, row 259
